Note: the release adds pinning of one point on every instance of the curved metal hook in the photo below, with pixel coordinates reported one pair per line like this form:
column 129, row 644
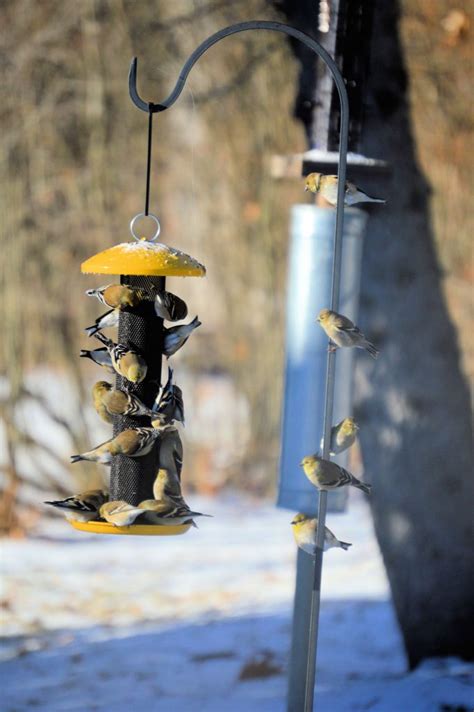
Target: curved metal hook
column 216, row 37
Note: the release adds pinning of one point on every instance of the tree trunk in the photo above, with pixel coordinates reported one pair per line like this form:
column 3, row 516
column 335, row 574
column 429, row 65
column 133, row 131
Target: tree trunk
column 413, row 403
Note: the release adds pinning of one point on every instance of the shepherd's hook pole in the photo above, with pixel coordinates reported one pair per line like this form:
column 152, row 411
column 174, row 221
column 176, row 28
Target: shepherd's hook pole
column 336, row 273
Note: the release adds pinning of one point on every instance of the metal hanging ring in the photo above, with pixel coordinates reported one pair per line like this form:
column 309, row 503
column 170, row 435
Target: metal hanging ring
column 139, row 217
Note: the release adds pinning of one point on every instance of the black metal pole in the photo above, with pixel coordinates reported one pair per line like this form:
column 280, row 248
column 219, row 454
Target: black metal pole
column 330, row 371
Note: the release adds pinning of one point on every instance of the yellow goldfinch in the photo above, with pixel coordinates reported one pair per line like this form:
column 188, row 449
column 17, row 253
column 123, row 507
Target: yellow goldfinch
column 118, row 296
column 176, row 336
column 99, row 356
column 326, row 475
column 168, row 513
column 126, row 361
column 305, row 529
column 109, row 401
column 327, row 187
column 82, row 507
column 343, row 435
column 169, row 405
column 134, row 442
column 120, row 513
column 170, row 307
column 169, row 503
column 105, row 321
column 170, row 454
column 343, row 332
column 166, row 483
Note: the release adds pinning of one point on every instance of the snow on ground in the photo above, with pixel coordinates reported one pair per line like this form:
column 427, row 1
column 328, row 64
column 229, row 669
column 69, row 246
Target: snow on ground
column 202, row 622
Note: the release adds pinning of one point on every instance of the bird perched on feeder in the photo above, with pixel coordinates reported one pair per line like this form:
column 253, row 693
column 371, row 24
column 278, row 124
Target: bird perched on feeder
column 105, row 321
column 99, row 356
column 305, row 530
column 326, row 475
column 134, row 442
column 166, row 483
column 82, row 507
column 168, row 513
column 343, row 332
column 109, row 401
column 169, row 504
column 343, row 435
column 118, row 296
column 170, row 452
column 168, row 405
column 120, row 513
column 126, row 361
column 327, row 187
column 170, row 307
column 176, row 336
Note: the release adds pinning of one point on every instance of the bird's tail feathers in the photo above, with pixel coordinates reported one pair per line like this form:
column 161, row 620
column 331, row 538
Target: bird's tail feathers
column 371, row 349
column 375, row 200
column 91, row 330
column 84, row 353
column 103, row 339
column 77, row 458
column 362, row 486
column 345, row 545
column 195, row 322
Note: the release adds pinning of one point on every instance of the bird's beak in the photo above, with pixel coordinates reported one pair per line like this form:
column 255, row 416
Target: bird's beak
column 293, row 523
column 306, row 188
column 301, row 463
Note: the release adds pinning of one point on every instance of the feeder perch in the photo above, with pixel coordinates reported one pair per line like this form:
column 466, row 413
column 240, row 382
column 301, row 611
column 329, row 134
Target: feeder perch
column 144, row 264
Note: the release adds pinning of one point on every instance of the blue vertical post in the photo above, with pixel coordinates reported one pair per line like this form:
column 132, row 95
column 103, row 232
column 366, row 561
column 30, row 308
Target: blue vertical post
column 309, row 290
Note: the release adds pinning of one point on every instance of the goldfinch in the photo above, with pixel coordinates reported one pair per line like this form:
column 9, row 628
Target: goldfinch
column 99, row 356
column 109, row 401
column 161, row 513
column 176, row 336
column 82, row 507
column 343, row 332
column 170, row 307
column 169, row 503
column 169, row 404
column 326, row 475
column 166, row 483
column 125, row 360
column 107, row 320
column 305, row 529
column 327, row 187
column 120, row 513
column 343, row 435
column 134, row 442
column 118, row 296
column 170, row 452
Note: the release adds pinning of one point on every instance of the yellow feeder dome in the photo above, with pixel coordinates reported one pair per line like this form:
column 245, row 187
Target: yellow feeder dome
column 134, row 529
column 144, row 258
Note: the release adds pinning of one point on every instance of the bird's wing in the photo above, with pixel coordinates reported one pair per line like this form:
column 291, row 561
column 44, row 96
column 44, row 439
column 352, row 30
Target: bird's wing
column 344, row 324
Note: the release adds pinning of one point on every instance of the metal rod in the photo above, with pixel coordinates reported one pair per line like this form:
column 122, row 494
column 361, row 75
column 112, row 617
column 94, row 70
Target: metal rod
column 328, row 400
column 148, row 161
column 336, row 270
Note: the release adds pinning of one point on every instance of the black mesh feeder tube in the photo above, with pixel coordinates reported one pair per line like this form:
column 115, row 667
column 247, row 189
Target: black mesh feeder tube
column 142, row 264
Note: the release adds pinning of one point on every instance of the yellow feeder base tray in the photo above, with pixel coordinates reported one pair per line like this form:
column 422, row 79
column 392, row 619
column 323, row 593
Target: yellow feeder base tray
column 133, row 530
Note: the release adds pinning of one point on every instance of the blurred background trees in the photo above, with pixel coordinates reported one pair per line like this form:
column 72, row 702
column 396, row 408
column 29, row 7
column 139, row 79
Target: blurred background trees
column 73, row 175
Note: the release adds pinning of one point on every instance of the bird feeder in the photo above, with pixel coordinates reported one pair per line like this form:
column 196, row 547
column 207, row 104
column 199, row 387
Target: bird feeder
column 142, row 264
